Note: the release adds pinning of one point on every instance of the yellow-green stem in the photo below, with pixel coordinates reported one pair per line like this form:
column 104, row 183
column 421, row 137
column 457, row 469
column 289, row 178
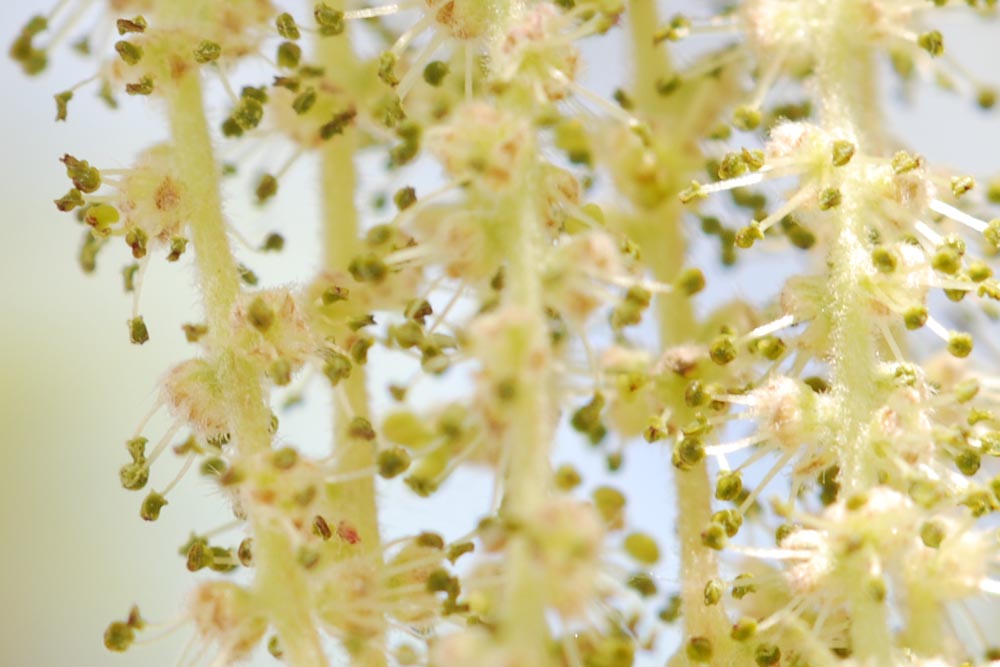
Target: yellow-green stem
column 340, row 241
column 845, row 76
column 659, row 232
column 280, row 584
column 530, row 431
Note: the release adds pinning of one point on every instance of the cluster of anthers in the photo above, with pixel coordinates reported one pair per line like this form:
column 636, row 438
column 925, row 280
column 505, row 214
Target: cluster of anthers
column 510, row 276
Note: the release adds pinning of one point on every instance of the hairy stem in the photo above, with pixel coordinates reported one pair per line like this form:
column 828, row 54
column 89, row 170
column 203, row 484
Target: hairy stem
column 664, row 248
column 530, row 431
column 845, row 76
column 279, row 580
column 340, row 241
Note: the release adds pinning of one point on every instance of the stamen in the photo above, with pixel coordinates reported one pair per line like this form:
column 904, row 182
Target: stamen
column 180, row 475
column 958, row 215
column 140, row 277
column 928, row 233
column 775, row 469
column 786, row 208
column 415, row 72
column 735, row 446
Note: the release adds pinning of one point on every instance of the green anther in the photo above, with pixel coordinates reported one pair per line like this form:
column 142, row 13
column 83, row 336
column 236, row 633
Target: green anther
column 137, row 239
column 129, row 52
column 386, row 69
column 753, row 159
column 722, row 350
column 643, row 548
column 304, row 101
column 194, row 332
column 459, row 549
column 947, row 260
column 267, row 187
column 128, row 276
column 118, row 637
column 932, row 42
column 671, row 611
column 966, row 390
column 986, row 97
column 393, row 461
column 743, row 586
column 691, row 281
column 731, row 166
column 962, row 184
column 244, row 552
column 340, row 122
column 728, row 486
column 330, row 20
column 744, row 629
column 714, row 537
column 199, row 555
column 359, row 349
column 694, row 394
column 567, row 477
column 915, row 317
column 830, row 198
column 321, row 528
column 766, row 655
column 695, row 191
column 713, row 592
column 137, row 332
column 286, row 26
column 730, row 519
column 334, row 294
column 884, row 259
column 273, row 242
column 903, row 162
column 62, row 104
column 289, row 55
column 968, row 462
column 248, row 113
column 588, row 417
column 178, row 245
column 134, row 476
column 418, row 310
column 678, row 28
column 260, row 314
column 368, row 269
column 405, row 198
column 699, row 649
column 101, row 217
column 667, row 85
column 337, row 367
column 746, row 118
column 747, row 236
column 70, row 200
column 135, row 25
column 959, row 344
column 643, row 584
column 143, row 86
column 842, row 151
column 86, row 178
column 992, row 233
column 151, row 506
column 979, row 271
column 360, row 429
column 435, row 72
column 932, row 533
column 285, row 458
column 771, row 347
column 247, row 275
column 207, row 52
column 609, row 502
column 406, row 335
